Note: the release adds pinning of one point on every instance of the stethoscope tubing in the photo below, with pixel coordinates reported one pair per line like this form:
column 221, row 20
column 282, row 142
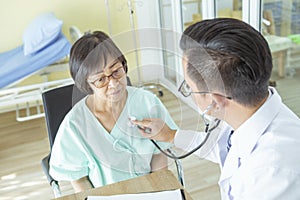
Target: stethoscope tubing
column 208, row 131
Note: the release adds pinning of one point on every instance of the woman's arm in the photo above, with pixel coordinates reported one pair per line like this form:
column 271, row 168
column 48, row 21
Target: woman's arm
column 158, row 162
column 81, row 184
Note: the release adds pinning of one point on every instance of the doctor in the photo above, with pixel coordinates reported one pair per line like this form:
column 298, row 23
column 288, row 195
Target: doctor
column 227, row 65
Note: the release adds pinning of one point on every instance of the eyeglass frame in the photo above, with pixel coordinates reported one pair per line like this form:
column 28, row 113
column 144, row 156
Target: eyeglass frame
column 108, row 77
column 203, row 92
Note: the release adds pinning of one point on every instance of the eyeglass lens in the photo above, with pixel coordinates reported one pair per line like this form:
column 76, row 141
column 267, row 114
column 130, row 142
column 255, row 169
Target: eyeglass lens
column 103, row 80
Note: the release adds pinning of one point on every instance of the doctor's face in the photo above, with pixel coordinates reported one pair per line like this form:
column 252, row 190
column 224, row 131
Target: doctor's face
column 201, row 100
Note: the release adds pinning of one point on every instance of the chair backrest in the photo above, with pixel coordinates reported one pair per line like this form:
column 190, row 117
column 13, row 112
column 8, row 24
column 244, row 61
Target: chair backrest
column 57, row 103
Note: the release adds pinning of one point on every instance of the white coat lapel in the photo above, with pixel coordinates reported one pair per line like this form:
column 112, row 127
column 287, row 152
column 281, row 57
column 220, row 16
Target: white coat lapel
column 230, row 167
column 231, row 164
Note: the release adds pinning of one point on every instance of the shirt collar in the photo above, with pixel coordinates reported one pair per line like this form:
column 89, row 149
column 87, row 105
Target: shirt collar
column 247, row 135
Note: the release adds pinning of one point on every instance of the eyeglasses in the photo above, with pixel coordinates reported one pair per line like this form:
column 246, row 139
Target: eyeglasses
column 186, row 91
column 104, row 80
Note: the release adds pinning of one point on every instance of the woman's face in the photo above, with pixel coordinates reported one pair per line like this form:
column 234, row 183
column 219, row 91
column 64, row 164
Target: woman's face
column 109, row 83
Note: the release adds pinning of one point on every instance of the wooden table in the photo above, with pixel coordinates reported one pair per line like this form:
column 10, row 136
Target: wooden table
column 157, row 181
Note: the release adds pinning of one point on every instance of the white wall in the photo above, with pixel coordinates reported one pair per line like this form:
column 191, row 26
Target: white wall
column 149, row 41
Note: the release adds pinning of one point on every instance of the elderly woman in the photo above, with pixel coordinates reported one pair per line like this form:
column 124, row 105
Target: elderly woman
column 96, row 143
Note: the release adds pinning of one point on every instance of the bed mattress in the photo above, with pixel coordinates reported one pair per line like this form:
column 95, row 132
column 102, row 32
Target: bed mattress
column 14, row 65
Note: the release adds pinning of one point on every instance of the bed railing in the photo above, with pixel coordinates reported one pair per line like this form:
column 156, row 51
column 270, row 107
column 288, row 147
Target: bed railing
column 27, row 100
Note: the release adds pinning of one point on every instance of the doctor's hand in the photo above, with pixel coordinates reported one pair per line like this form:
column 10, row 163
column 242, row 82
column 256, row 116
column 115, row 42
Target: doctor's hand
column 156, row 129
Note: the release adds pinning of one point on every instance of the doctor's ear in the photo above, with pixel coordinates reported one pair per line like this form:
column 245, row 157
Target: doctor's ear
column 219, row 101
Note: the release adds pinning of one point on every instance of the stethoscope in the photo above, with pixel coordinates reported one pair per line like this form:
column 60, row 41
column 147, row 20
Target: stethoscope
column 209, row 127
column 208, row 130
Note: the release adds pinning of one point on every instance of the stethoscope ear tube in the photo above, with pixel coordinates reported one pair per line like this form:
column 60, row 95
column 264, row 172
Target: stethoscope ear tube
column 208, row 130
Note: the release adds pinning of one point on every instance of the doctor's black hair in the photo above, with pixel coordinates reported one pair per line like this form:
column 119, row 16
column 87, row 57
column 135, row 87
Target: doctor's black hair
column 90, row 54
column 239, row 52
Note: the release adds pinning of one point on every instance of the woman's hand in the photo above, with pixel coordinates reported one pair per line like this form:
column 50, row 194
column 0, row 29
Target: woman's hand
column 156, row 129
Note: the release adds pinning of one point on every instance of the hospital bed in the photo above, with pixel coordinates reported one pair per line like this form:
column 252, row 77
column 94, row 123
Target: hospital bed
column 14, row 67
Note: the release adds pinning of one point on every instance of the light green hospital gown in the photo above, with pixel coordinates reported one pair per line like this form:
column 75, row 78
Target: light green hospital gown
column 83, row 147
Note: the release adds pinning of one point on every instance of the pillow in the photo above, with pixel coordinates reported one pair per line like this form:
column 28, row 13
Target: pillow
column 44, row 29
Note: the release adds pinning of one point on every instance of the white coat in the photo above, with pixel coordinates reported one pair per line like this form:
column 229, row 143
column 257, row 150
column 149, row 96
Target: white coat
column 264, row 160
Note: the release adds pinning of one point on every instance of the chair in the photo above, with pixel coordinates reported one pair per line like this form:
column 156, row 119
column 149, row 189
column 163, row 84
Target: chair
column 57, row 103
